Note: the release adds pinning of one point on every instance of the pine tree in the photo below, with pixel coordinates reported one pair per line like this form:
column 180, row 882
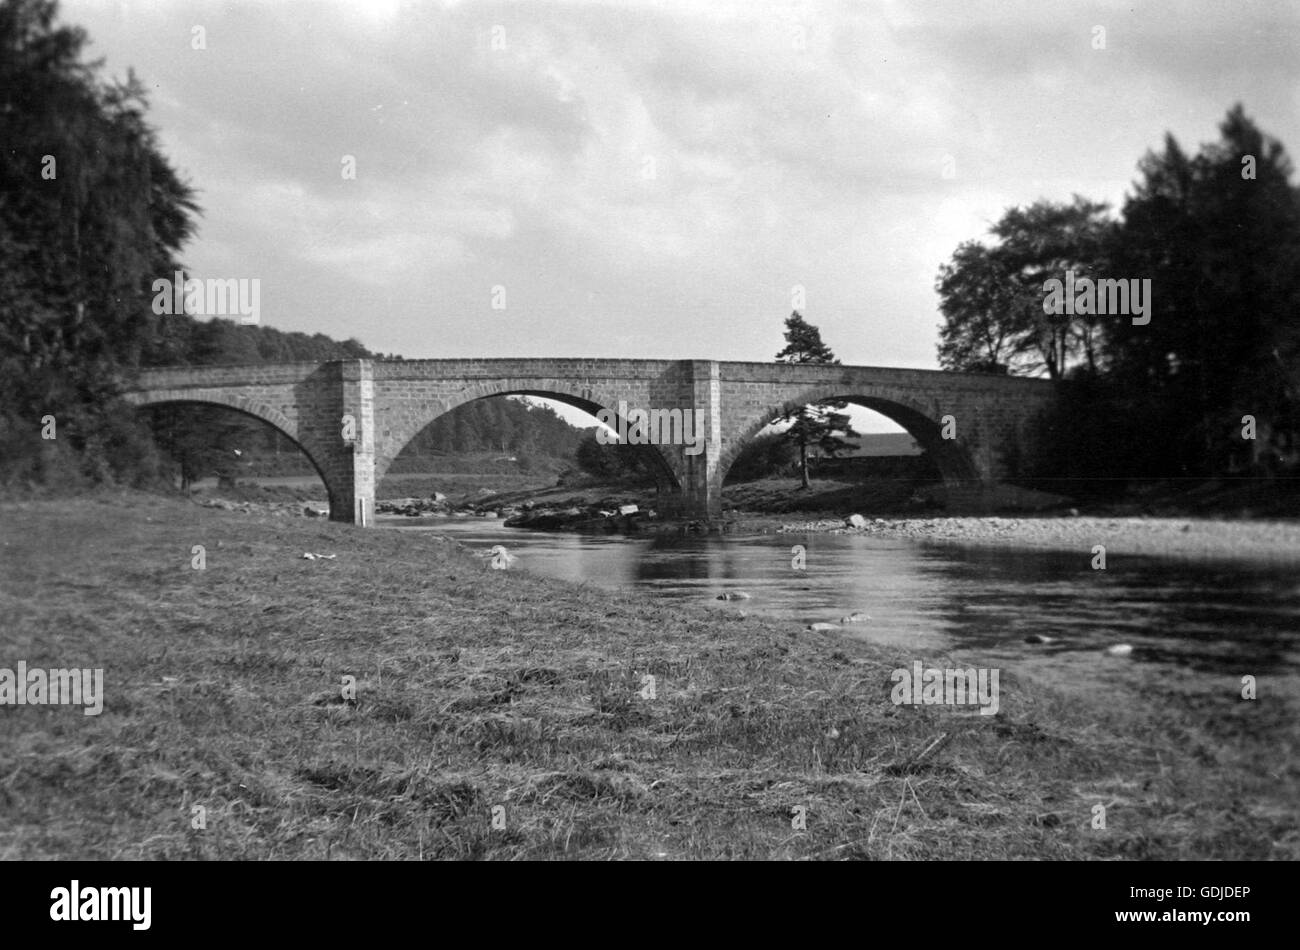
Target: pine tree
column 803, row 343
column 1218, row 235
column 818, row 425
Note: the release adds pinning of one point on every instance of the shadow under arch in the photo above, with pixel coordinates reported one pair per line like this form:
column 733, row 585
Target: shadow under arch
column 260, row 411
column 667, row 478
column 950, row 456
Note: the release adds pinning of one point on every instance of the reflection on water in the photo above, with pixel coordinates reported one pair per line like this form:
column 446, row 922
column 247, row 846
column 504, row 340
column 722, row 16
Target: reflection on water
column 926, row 600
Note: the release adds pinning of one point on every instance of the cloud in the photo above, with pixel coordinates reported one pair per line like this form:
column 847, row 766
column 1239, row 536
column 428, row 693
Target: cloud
column 651, row 179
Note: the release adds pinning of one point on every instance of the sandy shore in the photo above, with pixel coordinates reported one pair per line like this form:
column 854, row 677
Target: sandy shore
column 1274, row 541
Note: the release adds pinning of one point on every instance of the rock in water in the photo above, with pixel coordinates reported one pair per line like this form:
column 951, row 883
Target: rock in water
column 733, row 595
column 1039, row 638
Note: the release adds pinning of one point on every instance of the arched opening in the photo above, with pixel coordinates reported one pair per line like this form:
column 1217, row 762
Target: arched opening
column 895, row 459
column 514, row 441
column 236, row 451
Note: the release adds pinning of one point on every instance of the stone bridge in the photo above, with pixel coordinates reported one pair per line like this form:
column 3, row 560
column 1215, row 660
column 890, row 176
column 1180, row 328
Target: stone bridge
column 353, row 417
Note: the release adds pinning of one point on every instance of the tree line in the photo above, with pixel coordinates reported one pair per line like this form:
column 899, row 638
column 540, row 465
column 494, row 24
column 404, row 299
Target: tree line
column 90, row 212
column 1206, row 381
column 506, row 426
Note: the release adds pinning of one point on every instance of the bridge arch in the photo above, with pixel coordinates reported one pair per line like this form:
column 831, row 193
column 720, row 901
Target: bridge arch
column 392, row 400
column 665, row 468
column 242, row 404
column 954, row 459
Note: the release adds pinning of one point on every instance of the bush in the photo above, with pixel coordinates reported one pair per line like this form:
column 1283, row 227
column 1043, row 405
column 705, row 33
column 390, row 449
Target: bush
column 767, row 455
column 614, row 462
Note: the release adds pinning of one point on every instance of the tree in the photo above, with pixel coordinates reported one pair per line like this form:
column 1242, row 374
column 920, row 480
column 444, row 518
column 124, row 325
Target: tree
column 977, row 301
column 1218, row 235
column 762, row 456
column 1043, row 242
column 204, row 440
column 613, row 461
column 803, row 343
column 819, row 425
column 90, row 213
column 992, row 297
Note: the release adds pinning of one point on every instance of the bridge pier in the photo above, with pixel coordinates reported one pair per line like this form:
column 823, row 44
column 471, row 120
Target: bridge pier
column 352, row 496
column 699, row 500
column 353, row 417
column 700, row 474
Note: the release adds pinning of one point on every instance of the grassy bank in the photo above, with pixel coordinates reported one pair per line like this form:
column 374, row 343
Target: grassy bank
column 478, row 688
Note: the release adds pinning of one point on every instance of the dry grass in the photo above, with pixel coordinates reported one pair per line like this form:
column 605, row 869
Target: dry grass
column 477, row 688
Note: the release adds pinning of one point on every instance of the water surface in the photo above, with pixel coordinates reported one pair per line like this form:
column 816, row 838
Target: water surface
column 976, row 604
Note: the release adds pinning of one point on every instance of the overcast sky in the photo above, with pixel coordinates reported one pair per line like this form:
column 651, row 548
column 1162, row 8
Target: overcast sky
column 652, row 179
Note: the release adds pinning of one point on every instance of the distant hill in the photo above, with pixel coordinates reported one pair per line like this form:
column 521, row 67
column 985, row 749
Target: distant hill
column 181, row 340
column 507, row 427
column 885, row 443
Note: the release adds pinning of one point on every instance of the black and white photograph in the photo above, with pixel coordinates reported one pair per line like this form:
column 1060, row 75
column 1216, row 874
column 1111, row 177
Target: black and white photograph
column 650, row 431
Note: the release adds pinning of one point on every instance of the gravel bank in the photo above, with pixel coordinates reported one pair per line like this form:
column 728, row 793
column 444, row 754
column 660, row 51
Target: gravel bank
column 1165, row 537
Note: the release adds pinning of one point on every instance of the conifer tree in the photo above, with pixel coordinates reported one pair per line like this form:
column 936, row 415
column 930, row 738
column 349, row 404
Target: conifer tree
column 818, row 425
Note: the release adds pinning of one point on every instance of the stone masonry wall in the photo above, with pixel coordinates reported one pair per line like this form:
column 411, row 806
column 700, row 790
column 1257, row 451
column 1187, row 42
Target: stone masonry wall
column 390, row 401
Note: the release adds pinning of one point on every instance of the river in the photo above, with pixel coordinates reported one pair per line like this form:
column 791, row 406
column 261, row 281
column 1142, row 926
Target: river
column 974, row 604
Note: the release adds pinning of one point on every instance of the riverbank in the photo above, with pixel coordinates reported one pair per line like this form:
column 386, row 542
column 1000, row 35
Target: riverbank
column 774, row 506
column 477, row 688
column 1226, row 539
column 600, row 509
